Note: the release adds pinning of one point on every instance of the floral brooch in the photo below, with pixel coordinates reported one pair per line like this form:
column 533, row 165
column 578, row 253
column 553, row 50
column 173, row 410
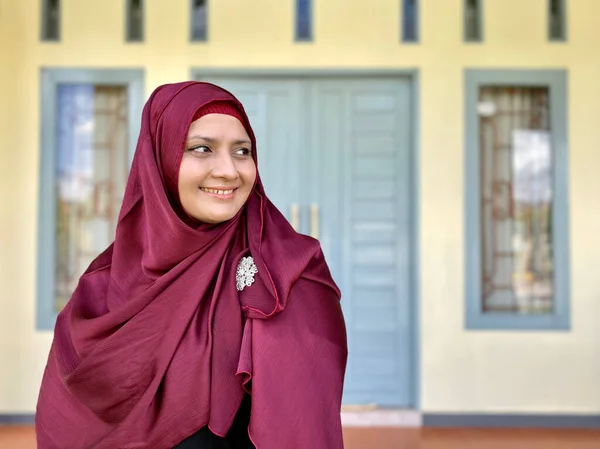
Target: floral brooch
column 244, row 276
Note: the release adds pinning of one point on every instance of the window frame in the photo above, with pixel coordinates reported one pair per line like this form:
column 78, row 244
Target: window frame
column 44, row 29
column 480, row 35
column 417, row 24
column 133, row 79
column 311, row 28
column 563, row 19
column 128, row 11
column 191, row 13
column 556, row 82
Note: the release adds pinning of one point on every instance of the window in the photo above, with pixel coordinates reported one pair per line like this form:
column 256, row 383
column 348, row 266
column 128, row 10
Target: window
column 199, row 20
column 51, row 20
column 410, row 21
column 557, row 20
column 473, row 26
column 517, row 256
column 135, row 21
column 88, row 138
column 304, row 20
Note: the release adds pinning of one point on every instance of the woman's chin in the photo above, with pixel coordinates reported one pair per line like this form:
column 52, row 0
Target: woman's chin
column 215, row 217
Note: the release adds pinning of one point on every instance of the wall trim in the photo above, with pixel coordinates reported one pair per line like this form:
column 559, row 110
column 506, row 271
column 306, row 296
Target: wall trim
column 544, row 421
column 404, row 418
column 382, row 418
column 17, row 419
column 197, row 72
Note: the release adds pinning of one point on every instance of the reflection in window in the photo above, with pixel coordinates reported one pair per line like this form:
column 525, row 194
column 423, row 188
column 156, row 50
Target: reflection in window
column 135, row 20
column 517, row 196
column 199, row 20
column 91, row 168
column 303, row 20
column 51, row 20
column 473, row 28
column 557, row 20
column 410, row 21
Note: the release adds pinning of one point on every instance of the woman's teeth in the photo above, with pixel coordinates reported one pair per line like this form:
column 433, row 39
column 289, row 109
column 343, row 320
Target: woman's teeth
column 217, row 192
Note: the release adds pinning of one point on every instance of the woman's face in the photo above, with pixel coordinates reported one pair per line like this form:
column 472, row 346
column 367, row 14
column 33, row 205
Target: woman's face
column 217, row 172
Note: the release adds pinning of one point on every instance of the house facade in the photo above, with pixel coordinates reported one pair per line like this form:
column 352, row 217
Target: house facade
column 444, row 152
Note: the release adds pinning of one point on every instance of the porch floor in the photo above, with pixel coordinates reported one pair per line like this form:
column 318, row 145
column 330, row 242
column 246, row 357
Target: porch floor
column 23, row 437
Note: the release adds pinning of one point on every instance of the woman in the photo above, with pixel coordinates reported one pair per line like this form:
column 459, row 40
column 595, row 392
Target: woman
column 208, row 322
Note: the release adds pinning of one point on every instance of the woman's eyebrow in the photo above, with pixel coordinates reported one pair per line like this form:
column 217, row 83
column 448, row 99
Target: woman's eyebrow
column 198, row 136
column 211, row 140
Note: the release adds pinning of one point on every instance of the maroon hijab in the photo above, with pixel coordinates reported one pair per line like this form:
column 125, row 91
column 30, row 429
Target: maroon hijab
column 156, row 341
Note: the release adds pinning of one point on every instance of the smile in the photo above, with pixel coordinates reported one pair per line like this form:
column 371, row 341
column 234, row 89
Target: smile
column 219, row 193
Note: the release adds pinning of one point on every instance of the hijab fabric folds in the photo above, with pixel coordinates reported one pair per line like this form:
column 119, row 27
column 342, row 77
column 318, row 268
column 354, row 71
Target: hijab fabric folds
column 156, row 341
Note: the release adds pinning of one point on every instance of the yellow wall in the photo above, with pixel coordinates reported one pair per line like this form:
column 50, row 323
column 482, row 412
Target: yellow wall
column 460, row 371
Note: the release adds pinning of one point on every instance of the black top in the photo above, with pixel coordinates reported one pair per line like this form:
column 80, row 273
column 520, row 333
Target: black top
column 236, row 438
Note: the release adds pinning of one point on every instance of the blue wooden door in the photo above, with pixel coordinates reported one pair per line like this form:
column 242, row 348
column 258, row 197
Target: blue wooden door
column 340, row 148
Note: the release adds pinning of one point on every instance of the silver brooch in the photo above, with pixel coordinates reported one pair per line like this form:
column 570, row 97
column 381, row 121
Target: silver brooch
column 244, row 277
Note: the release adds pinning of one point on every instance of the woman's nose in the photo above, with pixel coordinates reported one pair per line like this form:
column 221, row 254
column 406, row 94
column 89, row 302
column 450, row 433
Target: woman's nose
column 224, row 166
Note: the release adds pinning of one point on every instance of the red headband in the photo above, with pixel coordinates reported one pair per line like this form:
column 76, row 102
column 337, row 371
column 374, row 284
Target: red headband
column 220, row 107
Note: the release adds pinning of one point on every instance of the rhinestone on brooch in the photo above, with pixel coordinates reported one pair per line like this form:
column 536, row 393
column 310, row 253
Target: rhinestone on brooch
column 244, row 277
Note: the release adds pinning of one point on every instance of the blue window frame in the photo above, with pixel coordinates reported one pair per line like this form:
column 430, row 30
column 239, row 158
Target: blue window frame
column 199, row 20
column 410, row 20
column 76, row 172
column 517, row 232
column 134, row 28
column 473, row 20
column 50, row 21
column 557, row 20
column 304, row 25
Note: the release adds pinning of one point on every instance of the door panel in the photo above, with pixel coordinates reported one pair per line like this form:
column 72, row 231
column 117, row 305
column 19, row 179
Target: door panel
column 361, row 152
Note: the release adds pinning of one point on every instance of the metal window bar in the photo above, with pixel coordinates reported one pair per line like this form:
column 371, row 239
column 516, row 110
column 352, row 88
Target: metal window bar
column 516, row 203
column 304, row 30
column 199, row 20
column 50, row 20
column 135, row 21
column 410, row 21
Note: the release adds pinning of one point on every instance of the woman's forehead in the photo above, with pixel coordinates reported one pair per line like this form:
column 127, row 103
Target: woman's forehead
column 218, row 127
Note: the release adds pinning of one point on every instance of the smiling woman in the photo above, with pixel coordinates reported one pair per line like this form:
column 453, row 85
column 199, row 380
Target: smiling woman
column 217, row 172
column 209, row 322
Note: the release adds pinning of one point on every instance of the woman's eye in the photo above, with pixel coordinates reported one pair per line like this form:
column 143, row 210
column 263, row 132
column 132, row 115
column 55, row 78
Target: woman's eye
column 200, row 149
column 243, row 152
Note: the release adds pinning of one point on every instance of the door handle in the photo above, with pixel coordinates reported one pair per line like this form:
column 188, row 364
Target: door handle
column 314, row 221
column 295, row 216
